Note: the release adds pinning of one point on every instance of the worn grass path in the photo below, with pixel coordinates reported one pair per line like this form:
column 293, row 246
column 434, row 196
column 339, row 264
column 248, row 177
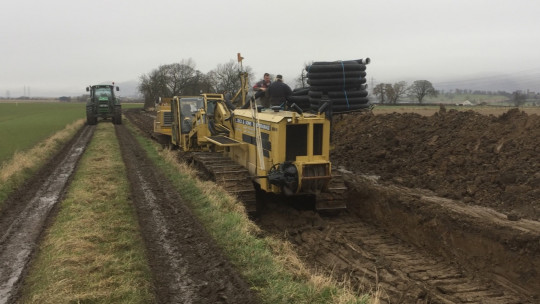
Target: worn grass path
column 93, row 252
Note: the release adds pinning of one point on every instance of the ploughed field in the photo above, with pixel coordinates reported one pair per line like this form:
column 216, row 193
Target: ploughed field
column 441, row 208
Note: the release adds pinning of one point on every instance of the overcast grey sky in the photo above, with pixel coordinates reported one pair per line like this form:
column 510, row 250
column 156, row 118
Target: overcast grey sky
column 58, row 47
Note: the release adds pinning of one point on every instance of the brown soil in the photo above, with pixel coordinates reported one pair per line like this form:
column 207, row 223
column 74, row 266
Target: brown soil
column 417, row 229
column 481, row 160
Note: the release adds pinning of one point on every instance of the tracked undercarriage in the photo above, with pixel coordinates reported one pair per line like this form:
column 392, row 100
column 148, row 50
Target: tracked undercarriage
column 237, row 181
column 232, row 177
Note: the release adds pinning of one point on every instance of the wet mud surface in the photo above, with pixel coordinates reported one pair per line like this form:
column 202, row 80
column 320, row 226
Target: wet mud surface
column 187, row 265
column 441, row 209
column 26, row 214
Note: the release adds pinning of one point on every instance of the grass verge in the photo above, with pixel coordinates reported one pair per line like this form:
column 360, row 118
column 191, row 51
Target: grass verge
column 270, row 266
column 93, row 253
column 24, row 164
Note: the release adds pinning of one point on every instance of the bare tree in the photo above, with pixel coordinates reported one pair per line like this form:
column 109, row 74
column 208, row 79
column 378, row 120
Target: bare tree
column 184, row 79
column 301, row 80
column 518, row 98
column 181, row 77
column 395, row 91
column 225, row 77
column 170, row 80
column 422, row 88
column 152, row 86
column 380, row 91
column 203, row 83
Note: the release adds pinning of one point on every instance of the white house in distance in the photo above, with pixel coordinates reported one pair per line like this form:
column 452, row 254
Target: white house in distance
column 465, row 103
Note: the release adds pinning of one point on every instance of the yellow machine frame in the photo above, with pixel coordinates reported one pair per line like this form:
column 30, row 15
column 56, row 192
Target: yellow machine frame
column 191, row 131
column 284, row 137
column 259, row 141
column 163, row 121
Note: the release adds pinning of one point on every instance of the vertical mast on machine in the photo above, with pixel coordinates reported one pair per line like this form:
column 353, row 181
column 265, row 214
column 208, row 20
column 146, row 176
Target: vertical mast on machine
column 242, row 92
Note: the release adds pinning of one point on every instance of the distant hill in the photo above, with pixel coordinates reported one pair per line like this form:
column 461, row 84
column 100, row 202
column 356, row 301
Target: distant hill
column 129, row 88
column 525, row 80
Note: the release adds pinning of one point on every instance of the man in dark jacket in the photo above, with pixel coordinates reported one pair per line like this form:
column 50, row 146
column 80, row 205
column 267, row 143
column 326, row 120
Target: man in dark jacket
column 262, row 85
column 260, row 91
column 279, row 92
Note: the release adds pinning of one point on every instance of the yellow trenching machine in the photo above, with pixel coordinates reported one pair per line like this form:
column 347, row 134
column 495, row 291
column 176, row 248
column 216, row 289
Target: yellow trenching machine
column 277, row 151
column 285, row 152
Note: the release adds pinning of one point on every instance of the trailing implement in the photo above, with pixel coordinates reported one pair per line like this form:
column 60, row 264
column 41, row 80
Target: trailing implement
column 103, row 103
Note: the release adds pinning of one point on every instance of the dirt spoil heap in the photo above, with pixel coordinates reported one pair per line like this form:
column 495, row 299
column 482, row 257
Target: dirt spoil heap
column 493, row 161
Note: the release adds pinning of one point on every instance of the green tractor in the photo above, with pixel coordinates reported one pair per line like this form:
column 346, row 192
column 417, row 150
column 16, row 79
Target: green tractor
column 103, row 103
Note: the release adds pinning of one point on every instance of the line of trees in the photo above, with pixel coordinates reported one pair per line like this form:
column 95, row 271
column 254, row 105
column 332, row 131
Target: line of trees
column 391, row 93
column 420, row 89
column 183, row 78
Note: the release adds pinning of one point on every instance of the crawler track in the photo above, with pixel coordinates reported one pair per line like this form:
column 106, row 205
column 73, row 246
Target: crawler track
column 234, row 178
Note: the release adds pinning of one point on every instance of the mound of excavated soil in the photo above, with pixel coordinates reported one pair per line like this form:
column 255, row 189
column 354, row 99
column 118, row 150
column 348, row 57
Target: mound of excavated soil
column 482, row 160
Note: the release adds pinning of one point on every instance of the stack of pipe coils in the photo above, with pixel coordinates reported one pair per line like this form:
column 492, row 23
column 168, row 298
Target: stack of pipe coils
column 301, row 98
column 340, row 84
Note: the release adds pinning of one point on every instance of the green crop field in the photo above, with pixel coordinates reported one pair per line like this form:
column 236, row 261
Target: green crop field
column 22, row 125
column 132, row 105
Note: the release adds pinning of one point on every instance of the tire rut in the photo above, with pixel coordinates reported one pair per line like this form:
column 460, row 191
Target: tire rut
column 23, row 224
column 187, row 265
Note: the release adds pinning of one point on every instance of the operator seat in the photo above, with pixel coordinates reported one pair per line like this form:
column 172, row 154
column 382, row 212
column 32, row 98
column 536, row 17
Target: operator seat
column 186, row 118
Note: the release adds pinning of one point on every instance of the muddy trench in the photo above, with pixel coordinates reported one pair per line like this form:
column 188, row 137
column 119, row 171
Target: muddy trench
column 397, row 243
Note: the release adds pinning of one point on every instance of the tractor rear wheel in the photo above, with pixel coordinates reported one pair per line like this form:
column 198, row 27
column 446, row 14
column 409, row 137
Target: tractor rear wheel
column 117, row 115
column 90, row 118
